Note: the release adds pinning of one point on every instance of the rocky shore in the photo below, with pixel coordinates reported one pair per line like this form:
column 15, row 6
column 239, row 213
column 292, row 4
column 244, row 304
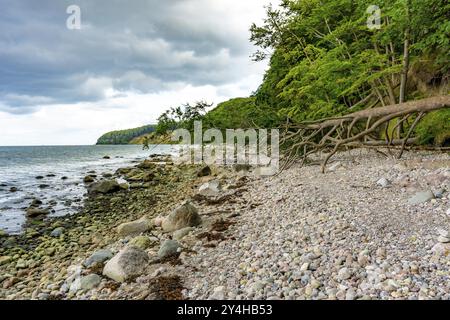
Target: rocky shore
column 370, row 228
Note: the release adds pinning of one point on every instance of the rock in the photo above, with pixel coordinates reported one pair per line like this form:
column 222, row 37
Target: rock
column 184, row 216
column 168, row 248
column 134, row 227
column 44, row 186
column 35, row 203
column 39, row 177
column 88, row 179
column 157, row 222
column 128, row 264
column 57, row 232
column 3, row 233
column 90, row 282
column 335, row 166
column 344, row 274
column 218, row 293
column 36, row 212
column 104, row 187
column 142, row 242
column 5, row 260
column 421, row 197
column 442, row 239
column 180, row 234
column 106, row 157
column 98, row 257
column 383, row 182
column 443, row 233
column 203, row 172
column 210, row 189
column 64, row 178
column 13, row 189
column 448, row 212
column 441, row 249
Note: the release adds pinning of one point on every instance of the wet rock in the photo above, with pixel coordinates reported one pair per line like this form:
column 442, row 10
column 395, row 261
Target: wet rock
column 33, row 212
column 98, row 257
column 35, row 203
column 134, row 227
column 128, row 264
column 106, row 157
column 39, row 177
column 88, row 179
column 184, row 216
column 104, row 187
column 203, row 172
column 13, row 189
column 44, row 186
column 421, row 197
column 64, row 178
column 168, row 248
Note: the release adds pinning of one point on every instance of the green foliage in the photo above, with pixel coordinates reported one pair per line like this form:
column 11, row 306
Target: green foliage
column 435, row 128
column 124, row 136
column 326, row 60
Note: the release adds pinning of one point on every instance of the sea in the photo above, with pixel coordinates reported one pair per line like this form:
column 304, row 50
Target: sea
column 54, row 175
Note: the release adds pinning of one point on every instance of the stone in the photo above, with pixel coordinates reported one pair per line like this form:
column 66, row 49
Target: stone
column 33, row 212
column 88, row 179
column 448, row 212
column 157, row 222
column 443, row 233
column 441, row 249
column 180, row 234
column 3, row 233
column 142, row 242
column 104, row 187
column 442, row 239
column 218, row 293
column 35, row 203
column 106, row 157
column 39, row 177
column 383, row 182
column 344, row 273
column 421, row 197
column 168, row 248
column 128, row 264
column 57, row 232
column 98, row 257
column 90, row 282
column 242, row 167
column 13, row 189
column 335, row 166
column 184, row 216
column 203, row 172
column 5, row 260
column 134, row 227
column 210, row 189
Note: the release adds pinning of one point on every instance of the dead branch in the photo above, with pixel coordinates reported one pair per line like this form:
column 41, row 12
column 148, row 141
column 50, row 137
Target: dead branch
column 359, row 129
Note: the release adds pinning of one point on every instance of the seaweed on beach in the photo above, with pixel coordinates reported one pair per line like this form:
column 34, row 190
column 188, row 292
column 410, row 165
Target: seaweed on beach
column 166, row 288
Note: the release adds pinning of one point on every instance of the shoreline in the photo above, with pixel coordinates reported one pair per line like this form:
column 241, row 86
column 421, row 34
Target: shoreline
column 349, row 234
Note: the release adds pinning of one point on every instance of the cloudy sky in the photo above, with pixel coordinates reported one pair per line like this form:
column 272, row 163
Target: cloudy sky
column 129, row 62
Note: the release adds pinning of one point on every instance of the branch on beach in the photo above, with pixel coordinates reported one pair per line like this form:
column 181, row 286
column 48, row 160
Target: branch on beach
column 359, row 129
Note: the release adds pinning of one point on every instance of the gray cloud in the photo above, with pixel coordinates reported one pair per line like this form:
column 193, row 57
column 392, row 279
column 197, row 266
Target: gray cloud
column 142, row 46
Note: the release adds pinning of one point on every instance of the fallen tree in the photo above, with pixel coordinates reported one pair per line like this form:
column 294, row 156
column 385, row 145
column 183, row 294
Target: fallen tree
column 359, row 129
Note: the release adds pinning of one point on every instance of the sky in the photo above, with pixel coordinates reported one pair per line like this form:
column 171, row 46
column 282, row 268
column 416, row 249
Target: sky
column 129, row 62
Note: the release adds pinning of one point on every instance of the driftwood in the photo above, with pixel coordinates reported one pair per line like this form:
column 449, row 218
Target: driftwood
column 358, row 129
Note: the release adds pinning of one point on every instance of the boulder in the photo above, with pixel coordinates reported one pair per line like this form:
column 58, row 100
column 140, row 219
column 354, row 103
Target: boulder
column 134, row 227
column 421, row 197
column 184, row 216
column 168, row 248
column 203, row 172
column 104, row 187
column 98, row 257
column 127, row 265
